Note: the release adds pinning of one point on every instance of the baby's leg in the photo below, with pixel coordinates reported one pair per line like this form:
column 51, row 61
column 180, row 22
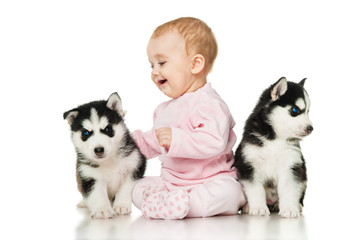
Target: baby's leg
column 220, row 196
column 173, row 204
column 156, row 201
column 145, row 187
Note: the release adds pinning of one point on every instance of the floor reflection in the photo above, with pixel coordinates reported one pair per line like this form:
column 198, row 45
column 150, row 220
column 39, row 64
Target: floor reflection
column 222, row 227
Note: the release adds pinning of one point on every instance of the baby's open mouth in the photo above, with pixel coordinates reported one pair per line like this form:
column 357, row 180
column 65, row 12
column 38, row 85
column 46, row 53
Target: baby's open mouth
column 161, row 82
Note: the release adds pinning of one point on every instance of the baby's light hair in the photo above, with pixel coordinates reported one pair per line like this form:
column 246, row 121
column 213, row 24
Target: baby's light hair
column 198, row 36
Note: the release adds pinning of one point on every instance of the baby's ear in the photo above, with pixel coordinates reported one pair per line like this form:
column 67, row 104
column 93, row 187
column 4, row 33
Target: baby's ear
column 198, row 63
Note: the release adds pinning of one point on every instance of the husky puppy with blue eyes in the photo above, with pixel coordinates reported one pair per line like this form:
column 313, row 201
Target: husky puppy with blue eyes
column 108, row 159
column 269, row 160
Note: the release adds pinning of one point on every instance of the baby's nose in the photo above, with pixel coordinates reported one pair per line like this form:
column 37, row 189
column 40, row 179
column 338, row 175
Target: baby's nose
column 155, row 71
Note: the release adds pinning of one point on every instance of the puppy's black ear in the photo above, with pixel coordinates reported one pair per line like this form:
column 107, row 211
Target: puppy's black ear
column 279, row 88
column 115, row 103
column 302, row 83
column 71, row 115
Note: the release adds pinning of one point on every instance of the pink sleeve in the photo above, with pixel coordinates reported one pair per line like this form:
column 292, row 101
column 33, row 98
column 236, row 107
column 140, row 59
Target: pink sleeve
column 147, row 143
column 209, row 137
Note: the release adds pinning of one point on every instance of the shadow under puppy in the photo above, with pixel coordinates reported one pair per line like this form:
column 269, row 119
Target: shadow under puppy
column 108, row 159
column 269, row 160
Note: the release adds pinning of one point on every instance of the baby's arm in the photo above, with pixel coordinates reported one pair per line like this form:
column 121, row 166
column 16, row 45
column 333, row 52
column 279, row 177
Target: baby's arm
column 147, row 143
column 210, row 135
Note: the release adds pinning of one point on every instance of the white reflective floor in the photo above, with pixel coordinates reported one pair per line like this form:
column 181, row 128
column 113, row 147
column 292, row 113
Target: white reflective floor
column 223, row 227
column 72, row 223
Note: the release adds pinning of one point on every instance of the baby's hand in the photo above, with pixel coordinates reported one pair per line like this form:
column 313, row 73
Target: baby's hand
column 164, row 137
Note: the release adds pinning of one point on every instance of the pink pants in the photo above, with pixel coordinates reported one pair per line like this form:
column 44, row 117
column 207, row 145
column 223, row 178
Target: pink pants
column 221, row 195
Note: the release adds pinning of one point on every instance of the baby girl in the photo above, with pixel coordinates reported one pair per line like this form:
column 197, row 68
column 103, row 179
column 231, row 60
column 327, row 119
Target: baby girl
column 192, row 133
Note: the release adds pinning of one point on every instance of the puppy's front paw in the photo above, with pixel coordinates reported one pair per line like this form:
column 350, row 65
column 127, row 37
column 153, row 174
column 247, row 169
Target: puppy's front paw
column 123, row 205
column 259, row 211
column 103, row 213
column 292, row 212
column 123, row 209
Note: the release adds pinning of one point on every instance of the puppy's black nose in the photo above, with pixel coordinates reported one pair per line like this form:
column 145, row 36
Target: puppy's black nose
column 99, row 151
column 309, row 129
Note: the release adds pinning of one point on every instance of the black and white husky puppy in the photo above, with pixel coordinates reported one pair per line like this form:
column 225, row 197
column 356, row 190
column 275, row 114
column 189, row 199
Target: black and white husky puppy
column 108, row 160
column 269, row 161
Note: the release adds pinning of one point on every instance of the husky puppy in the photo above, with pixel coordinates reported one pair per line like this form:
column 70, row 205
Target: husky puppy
column 108, row 160
column 269, row 161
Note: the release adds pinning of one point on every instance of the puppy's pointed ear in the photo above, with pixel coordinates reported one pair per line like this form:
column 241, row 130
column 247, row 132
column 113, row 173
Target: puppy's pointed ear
column 71, row 115
column 279, row 88
column 302, row 83
column 115, row 103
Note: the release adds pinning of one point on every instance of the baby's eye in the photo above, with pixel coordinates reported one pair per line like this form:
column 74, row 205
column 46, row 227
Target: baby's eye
column 161, row 63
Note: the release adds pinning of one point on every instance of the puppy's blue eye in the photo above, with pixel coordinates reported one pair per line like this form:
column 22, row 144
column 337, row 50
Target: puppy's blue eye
column 85, row 134
column 108, row 130
column 295, row 111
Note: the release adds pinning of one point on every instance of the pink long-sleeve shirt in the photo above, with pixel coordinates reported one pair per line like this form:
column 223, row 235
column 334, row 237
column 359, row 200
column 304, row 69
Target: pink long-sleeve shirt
column 202, row 138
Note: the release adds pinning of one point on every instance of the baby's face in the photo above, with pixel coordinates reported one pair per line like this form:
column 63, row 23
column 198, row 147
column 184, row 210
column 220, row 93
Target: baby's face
column 171, row 66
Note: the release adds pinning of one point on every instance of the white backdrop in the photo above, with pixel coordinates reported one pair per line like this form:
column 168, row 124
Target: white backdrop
column 55, row 55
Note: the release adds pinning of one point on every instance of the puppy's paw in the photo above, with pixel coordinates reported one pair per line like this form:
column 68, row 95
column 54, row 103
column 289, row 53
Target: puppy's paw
column 259, row 211
column 123, row 205
column 292, row 212
column 123, row 209
column 103, row 213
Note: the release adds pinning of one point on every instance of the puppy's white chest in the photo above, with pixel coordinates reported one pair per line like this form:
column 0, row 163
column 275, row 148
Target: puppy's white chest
column 273, row 157
column 109, row 175
column 113, row 178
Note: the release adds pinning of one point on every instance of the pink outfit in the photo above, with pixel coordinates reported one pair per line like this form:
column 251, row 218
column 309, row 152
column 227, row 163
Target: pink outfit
column 200, row 151
column 221, row 195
